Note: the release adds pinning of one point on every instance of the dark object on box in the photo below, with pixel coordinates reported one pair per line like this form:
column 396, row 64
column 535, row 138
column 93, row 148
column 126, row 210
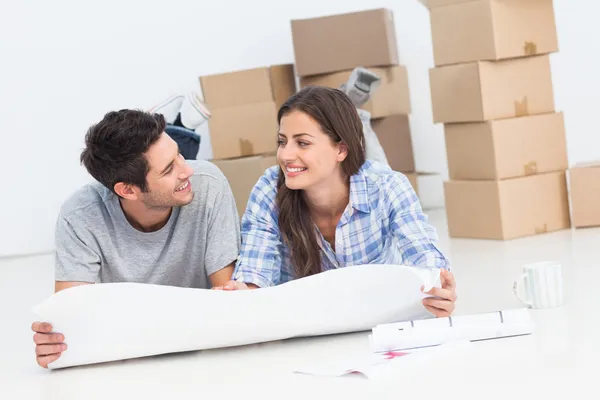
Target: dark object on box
column 187, row 140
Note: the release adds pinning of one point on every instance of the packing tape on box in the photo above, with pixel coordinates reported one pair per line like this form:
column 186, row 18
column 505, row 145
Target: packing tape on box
column 530, row 48
column 522, row 107
column 246, row 147
column 389, row 75
column 530, row 168
column 542, row 229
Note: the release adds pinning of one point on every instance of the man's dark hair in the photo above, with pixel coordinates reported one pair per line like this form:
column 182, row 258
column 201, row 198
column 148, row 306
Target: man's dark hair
column 115, row 147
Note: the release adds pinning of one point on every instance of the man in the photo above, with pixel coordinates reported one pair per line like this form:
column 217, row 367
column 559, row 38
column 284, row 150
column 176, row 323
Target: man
column 151, row 217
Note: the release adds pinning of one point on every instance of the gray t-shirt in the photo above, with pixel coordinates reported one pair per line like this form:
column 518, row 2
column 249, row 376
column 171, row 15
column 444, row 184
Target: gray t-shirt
column 96, row 243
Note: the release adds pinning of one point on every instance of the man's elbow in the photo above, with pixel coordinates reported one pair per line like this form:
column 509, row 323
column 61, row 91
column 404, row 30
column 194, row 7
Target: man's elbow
column 62, row 285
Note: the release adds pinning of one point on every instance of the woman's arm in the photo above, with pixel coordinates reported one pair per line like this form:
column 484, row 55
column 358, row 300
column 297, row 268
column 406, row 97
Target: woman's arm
column 416, row 237
column 417, row 243
column 259, row 262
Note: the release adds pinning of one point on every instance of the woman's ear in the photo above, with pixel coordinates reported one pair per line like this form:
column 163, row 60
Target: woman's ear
column 342, row 152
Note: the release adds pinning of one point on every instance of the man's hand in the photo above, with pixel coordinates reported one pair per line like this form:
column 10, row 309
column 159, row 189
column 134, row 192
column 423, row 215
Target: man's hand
column 49, row 346
column 235, row 285
column 443, row 305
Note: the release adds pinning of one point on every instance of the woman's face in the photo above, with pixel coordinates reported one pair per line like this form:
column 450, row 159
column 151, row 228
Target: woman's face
column 307, row 156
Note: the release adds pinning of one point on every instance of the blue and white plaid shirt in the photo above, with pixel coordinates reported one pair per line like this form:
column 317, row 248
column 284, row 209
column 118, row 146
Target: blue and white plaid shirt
column 383, row 224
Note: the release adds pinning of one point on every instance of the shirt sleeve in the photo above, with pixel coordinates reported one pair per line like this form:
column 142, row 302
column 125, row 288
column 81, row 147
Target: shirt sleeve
column 409, row 224
column 259, row 262
column 223, row 237
column 75, row 260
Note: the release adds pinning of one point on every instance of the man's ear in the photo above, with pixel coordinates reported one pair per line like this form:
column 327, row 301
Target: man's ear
column 126, row 191
column 342, row 152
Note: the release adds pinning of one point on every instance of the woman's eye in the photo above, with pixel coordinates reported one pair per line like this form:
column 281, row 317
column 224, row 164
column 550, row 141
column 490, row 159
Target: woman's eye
column 303, row 144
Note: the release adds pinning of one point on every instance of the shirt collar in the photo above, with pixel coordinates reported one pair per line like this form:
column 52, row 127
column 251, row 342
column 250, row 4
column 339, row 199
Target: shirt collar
column 359, row 193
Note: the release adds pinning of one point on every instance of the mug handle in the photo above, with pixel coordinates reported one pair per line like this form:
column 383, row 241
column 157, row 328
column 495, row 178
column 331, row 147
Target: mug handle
column 516, row 286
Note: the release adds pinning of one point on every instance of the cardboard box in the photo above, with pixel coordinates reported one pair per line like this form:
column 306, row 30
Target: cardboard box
column 413, row 179
column 259, row 85
column 584, row 182
column 507, row 148
column 391, row 97
column 243, row 130
column 475, row 30
column 429, row 187
column 344, row 41
column 242, row 174
column 244, row 107
column 507, row 209
column 488, row 90
column 393, row 134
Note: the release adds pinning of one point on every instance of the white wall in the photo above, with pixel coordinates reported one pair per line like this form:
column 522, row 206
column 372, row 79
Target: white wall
column 65, row 63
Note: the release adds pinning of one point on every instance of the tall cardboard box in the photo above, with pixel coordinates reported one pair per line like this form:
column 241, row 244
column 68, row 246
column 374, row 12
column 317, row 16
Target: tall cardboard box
column 412, row 178
column 390, row 98
column 242, row 174
column 584, row 182
column 393, row 133
column 244, row 107
column 487, row 90
column 507, row 209
column 506, row 148
column 475, row 30
column 344, row 41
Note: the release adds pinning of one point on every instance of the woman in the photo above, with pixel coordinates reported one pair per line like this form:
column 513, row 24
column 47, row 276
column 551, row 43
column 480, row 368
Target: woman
column 324, row 206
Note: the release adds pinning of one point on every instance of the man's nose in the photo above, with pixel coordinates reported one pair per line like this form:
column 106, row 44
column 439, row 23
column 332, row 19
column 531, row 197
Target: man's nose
column 186, row 172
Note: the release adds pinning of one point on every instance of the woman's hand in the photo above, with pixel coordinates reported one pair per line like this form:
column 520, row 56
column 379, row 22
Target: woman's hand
column 235, row 285
column 442, row 305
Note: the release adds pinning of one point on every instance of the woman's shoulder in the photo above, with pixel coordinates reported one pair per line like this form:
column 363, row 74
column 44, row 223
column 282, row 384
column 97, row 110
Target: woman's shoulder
column 380, row 176
column 265, row 190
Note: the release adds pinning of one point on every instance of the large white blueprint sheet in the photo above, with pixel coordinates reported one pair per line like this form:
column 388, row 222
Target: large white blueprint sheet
column 107, row 322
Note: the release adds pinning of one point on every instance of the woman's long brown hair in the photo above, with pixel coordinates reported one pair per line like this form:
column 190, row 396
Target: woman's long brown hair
column 338, row 118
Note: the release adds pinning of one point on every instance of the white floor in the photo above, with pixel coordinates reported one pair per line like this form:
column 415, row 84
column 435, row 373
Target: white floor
column 485, row 272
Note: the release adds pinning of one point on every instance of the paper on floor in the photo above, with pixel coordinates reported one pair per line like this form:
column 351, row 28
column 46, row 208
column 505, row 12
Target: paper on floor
column 413, row 334
column 107, row 322
column 378, row 364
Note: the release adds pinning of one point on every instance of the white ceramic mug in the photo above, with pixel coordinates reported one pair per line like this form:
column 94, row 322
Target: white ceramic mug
column 542, row 283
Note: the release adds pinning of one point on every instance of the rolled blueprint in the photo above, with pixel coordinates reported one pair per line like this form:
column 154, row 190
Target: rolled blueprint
column 117, row 321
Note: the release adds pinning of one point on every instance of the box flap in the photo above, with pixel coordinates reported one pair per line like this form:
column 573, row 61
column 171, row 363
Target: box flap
column 440, row 3
column 329, row 43
column 242, row 174
column 237, row 88
column 587, row 164
column 243, row 130
column 283, row 83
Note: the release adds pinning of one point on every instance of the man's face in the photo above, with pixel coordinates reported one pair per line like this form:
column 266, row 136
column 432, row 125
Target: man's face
column 168, row 179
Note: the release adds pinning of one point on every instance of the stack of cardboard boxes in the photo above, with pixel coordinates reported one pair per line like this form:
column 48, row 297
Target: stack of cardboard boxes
column 243, row 126
column 328, row 48
column 492, row 88
column 585, row 194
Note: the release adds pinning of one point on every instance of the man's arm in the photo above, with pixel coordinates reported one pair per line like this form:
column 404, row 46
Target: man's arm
column 222, row 276
column 61, row 285
column 76, row 264
column 223, row 236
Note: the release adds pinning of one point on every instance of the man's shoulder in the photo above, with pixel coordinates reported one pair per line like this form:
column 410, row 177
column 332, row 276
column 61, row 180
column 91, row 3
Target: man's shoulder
column 88, row 197
column 206, row 172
